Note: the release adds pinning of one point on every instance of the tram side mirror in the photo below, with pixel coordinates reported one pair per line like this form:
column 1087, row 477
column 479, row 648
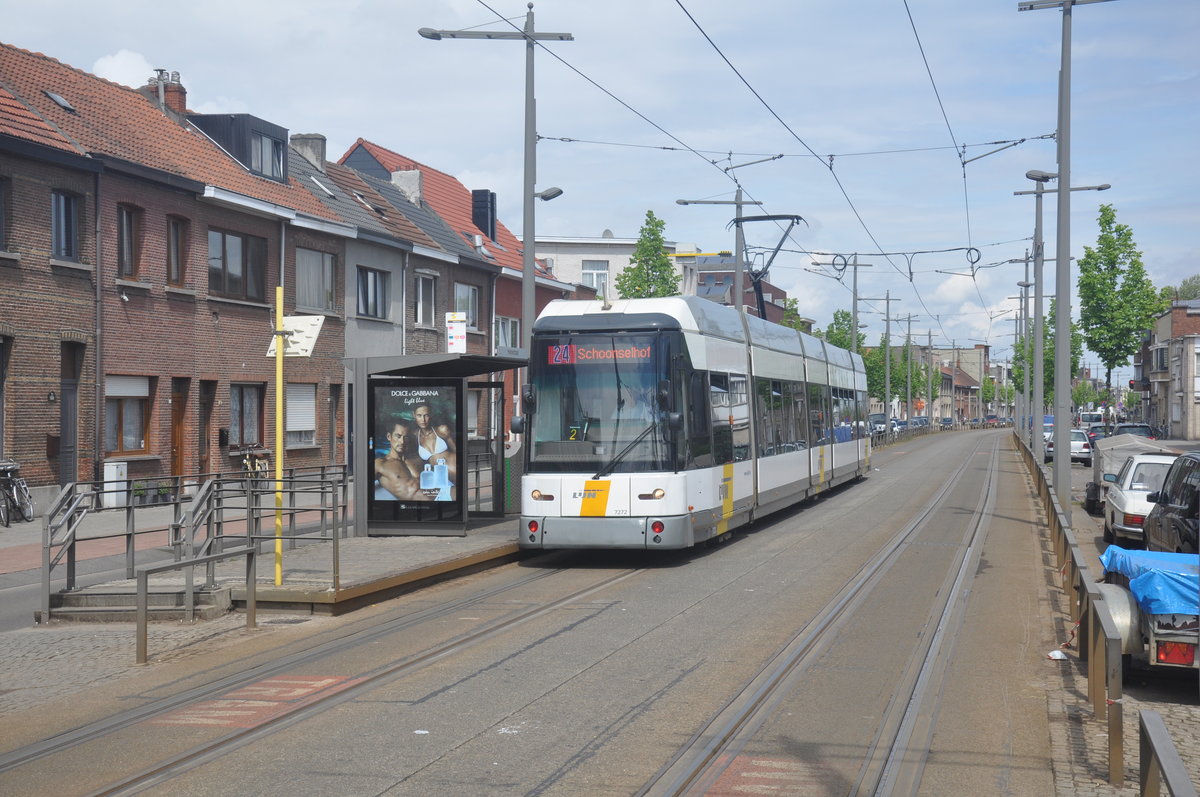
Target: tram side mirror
column 517, row 424
column 663, row 394
column 529, row 397
column 675, row 421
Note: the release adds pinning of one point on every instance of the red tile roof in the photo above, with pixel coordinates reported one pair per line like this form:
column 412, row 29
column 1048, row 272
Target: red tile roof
column 114, row 120
column 17, row 120
column 451, row 200
column 392, row 219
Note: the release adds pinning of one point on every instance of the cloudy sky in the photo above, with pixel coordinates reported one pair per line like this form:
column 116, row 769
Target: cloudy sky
column 873, row 106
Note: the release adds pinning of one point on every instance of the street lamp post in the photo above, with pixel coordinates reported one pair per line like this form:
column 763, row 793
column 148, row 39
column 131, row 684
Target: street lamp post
column 529, row 194
column 1062, row 338
column 1025, row 285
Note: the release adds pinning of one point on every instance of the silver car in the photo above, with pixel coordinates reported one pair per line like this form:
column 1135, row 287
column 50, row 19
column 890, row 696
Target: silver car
column 1125, row 504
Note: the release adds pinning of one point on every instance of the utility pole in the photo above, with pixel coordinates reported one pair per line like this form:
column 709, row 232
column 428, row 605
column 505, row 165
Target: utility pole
column 929, row 395
column 887, row 351
column 855, row 266
column 908, row 367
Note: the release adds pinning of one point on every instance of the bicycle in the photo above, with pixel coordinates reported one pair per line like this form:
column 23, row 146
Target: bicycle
column 256, row 466
column 15, row 499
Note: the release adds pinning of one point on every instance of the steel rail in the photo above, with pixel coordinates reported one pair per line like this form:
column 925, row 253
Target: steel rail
column 340, row 643
column 697, row 765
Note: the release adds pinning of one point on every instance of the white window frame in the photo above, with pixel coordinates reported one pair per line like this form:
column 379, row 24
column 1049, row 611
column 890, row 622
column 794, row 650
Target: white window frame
column 300, row 415
column 64, row 224
column 324, row 265
column 425, row 300
column 507, row 332
column 595, row 275
column 238, row 439
column 466, row 300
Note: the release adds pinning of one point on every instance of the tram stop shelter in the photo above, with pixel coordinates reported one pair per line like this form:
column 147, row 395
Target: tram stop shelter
column 427, row 441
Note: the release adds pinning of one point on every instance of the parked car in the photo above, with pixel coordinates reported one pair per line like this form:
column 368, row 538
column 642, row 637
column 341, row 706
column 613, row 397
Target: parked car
column 1172, row 523
column 1096, row 431
column 1081, row 449
column 992, row 420
column 946, row 423
column 1139, row 429
column 1125, row 504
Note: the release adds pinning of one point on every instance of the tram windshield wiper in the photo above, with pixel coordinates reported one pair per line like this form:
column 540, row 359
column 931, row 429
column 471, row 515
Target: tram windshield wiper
column 612, row 463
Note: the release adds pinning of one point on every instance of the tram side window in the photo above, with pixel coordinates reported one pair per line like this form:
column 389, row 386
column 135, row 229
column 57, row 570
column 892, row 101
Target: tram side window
column 843, row 414
column 795, row 421
column 818, row 414
column 739, row 416
column 699, row 428
column 768, row 400
column 860, row 413
column 722, row 432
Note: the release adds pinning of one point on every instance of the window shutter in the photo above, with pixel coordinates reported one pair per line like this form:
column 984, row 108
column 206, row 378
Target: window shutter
column 127, row 386
column 301, row 407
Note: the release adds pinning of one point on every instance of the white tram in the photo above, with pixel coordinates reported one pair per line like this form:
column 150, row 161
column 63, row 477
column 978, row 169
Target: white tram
column 661, row 423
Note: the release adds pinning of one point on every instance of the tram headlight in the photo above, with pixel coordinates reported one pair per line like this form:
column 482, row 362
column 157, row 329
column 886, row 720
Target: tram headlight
column 538, row 495
column 658, row 494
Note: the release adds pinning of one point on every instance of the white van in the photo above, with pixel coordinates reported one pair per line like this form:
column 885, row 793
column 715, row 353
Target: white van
column 1086, row 419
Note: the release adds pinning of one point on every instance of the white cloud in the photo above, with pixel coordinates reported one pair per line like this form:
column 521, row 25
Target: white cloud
column 125, row 67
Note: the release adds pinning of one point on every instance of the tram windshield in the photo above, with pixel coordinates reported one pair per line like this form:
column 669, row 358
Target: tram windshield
column 596, row 404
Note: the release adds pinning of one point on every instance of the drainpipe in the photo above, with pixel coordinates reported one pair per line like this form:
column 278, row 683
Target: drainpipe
column 98, row 411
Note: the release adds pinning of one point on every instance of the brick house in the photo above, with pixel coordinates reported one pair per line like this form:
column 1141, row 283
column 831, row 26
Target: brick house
column 162, row 254
column 1170, row 366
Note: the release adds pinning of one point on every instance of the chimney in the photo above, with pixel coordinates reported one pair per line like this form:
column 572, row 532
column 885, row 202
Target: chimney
column 483, row 211
column 175, row 95
column 409, row 183
column 164, row 90
column 312, row 147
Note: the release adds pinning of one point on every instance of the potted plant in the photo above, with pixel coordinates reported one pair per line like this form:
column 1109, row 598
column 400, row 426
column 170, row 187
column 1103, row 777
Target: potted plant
column 165, row 493
column 139, row 492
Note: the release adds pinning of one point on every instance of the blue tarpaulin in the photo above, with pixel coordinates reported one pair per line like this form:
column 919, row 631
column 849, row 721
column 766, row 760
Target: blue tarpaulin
column 1162, row 583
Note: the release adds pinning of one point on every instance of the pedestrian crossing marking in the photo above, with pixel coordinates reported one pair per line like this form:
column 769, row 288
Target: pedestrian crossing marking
column 254, row 704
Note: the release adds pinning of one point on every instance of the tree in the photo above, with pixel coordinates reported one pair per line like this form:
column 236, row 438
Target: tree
column 1117, row 301
column 791, row 318
column 650, row 273
column 1047, row 356
column 1188, row 289
column 839, row 331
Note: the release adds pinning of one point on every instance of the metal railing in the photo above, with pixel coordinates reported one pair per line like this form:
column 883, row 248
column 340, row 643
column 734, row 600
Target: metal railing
column 1160, row 761
column 1100, row 650
column 143, row 589
column 221, row 504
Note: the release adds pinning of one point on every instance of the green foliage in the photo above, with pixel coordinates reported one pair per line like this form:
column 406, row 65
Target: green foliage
column 650, row 273
column 1048, row 356
column 791, row 318
column 987, row 391
column 1117, row 301
column 1083, row 394
column 839, row 331
column 1188, row 289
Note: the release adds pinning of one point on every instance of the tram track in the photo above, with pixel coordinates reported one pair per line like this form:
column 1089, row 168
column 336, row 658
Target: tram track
column 340, row 644
column 897, row 753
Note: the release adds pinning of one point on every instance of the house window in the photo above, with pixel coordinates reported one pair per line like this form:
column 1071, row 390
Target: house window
column 314, row 279
column 266, row 156
column 177, row 230
column 237, row 265
column 128, row 223
column 508, row 332
column 1160, row 359
column 126, row 405
column 245, row 415
column 64, row 226
column 301, row 419
column 372, row 293
column 466, row 300
column 595, row 275
column 424, row 295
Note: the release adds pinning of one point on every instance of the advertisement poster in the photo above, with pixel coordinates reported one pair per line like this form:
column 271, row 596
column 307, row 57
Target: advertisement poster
column 415, row 445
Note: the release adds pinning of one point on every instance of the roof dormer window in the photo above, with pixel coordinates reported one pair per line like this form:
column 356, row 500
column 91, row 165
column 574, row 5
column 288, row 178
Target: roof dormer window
column 266, row 156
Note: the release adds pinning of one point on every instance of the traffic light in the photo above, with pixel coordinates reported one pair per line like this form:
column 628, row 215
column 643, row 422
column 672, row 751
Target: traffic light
column 1133, row 384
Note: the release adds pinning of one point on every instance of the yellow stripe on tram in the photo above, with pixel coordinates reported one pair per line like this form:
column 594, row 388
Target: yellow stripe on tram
column 726, row 493
column 595, row 498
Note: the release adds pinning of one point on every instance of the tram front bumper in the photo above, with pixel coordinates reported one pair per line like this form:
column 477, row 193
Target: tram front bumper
column 605, row 532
